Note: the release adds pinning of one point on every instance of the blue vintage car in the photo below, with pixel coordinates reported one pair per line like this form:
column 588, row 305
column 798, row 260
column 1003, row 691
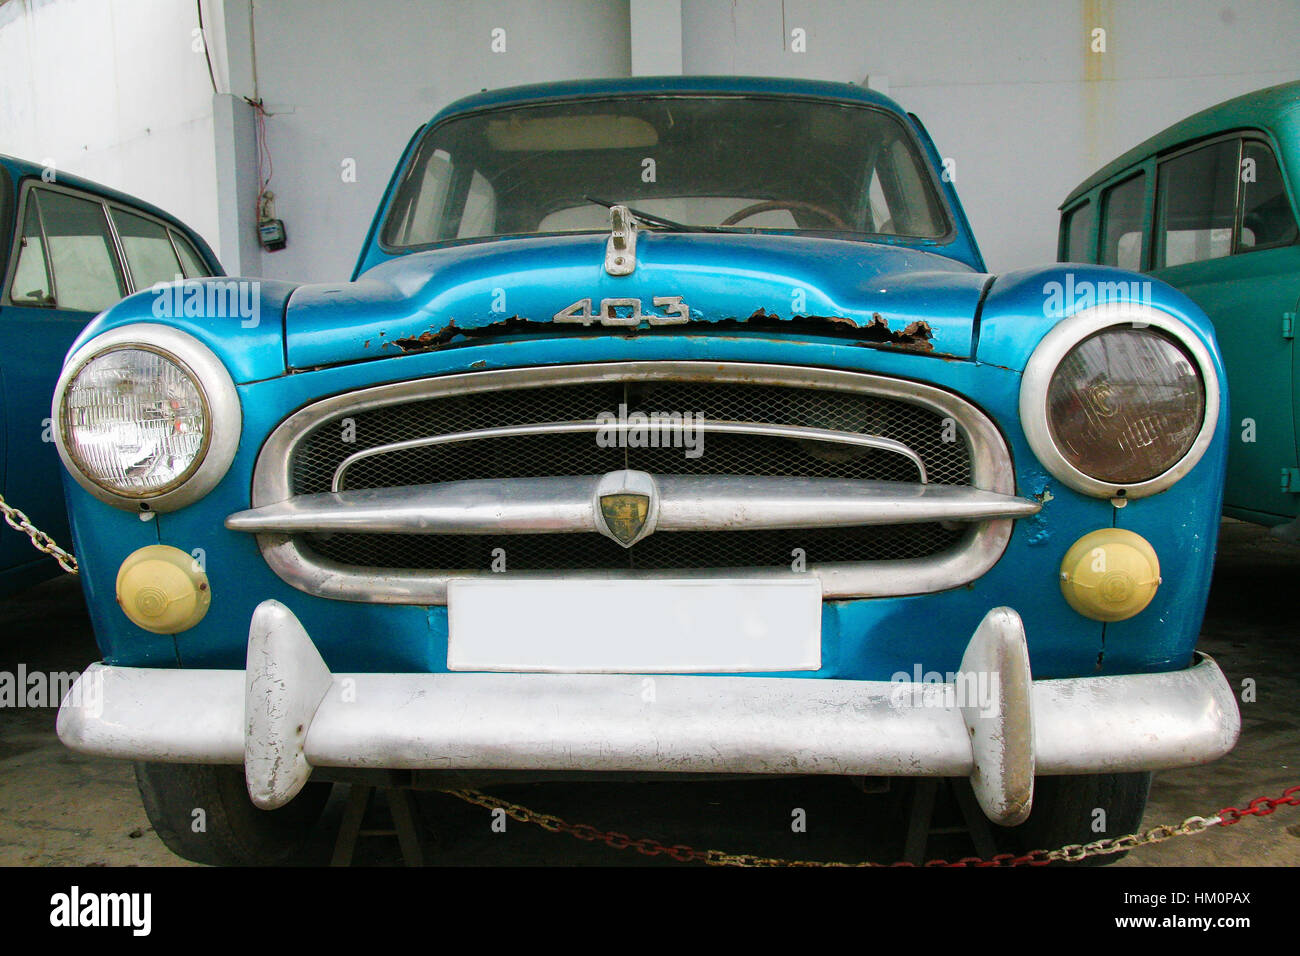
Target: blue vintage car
column 666, row 425
column 69, row 249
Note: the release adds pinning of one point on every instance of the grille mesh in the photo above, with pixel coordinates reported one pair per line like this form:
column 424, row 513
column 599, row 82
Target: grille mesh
column 684, row 550
column 948, row 462
column 943, row 448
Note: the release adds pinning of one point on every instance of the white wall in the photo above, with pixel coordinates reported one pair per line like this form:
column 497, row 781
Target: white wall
column 112, row 89
column 352, row 81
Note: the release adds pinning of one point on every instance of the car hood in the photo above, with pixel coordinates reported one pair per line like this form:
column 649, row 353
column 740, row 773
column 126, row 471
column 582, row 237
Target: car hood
column 877, row 295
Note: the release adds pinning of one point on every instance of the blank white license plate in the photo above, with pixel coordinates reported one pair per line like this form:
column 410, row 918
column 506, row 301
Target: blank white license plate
column 636, row 627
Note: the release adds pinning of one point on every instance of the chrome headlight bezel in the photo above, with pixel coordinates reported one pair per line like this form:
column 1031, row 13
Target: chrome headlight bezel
column 1053, row 349
column 224, row 418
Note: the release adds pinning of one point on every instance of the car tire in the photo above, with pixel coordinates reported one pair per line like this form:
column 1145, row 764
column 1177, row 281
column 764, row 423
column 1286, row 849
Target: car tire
column 1065, row 809
column 234, row 831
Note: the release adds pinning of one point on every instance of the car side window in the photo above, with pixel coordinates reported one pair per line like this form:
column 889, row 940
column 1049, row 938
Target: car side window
column 81, row 255
column 32, row 285
column 1266, row 215
column 1078, row 233
column 148, row 249
column 1123, row 208
column 1196, row 206
column 67, row 256
column 190, row 258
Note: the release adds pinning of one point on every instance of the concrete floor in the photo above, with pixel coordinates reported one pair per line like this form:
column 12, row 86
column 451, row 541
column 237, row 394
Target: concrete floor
column 58, row 808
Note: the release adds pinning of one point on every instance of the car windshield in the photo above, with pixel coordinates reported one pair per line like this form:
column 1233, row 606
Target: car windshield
column 742, row 163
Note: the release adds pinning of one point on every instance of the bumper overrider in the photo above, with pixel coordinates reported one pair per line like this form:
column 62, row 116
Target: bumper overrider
column 287, row 713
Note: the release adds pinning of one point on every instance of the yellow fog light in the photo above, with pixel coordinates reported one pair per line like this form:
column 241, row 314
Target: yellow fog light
column 1110, row 575
column 162, row 589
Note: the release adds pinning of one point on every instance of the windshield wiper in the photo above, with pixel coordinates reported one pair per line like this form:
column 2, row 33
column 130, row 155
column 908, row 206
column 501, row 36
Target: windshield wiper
column 653, row 221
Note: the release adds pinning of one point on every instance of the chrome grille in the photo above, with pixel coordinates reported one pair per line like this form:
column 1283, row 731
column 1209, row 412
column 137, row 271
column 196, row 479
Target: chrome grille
column 578, row 454
column 956, row 443
column 317, row 457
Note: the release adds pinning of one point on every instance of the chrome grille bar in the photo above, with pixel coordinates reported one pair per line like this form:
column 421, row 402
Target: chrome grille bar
column 686, row 503
column 796, row 432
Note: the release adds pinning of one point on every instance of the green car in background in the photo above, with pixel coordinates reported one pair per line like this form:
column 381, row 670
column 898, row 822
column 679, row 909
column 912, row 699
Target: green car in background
column 1209, row 206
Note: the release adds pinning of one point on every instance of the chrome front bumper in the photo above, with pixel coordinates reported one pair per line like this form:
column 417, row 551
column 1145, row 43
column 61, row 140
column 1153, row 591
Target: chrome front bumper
column 286, row 713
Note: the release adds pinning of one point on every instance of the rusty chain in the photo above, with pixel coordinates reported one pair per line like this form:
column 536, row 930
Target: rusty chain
column 1260, row 806
column 40, row 540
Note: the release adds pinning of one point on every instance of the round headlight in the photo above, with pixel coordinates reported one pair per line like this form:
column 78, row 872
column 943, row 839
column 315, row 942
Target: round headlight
column 135, row 422
column 146, row 417
column 1125, row 405
column 1120, row 400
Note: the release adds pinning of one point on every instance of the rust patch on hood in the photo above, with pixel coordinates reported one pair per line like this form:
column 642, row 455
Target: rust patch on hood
column 915, row 337
column 430, row 341
column 425, row 341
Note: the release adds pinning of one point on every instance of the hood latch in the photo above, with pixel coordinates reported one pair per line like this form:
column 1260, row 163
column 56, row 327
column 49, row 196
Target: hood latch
column 620, row 250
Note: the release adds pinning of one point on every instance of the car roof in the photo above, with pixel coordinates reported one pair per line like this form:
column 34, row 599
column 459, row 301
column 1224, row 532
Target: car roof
column 658, row 85
column 20, row 168
column 1259, row 109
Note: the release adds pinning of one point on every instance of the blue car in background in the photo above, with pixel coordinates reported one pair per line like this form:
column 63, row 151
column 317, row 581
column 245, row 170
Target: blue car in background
column 668, row 425
column 70, row 249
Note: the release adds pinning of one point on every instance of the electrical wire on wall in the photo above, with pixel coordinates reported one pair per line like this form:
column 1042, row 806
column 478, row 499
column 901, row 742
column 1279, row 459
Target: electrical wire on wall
column 203, row 38
column 265, row 208
column 270, row 230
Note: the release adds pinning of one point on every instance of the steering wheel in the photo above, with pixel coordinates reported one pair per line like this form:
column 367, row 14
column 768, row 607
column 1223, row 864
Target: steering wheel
column 791, row 204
